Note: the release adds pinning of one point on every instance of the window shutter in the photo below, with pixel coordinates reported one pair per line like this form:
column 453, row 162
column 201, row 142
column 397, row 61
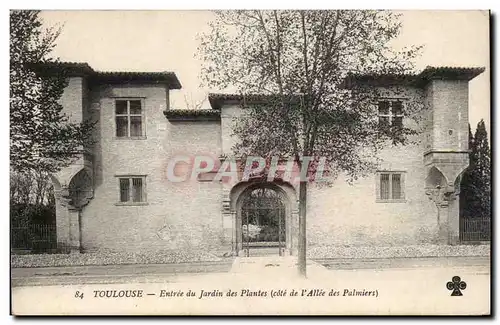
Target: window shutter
column 377, row 187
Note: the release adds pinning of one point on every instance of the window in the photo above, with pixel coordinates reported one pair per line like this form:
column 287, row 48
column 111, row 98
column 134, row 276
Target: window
column 390, row 113
column 132, row 189
column 390, row 186
column 128, row 114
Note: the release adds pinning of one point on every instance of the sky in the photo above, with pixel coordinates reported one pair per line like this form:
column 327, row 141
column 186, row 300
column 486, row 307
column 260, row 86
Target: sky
column 167, row 41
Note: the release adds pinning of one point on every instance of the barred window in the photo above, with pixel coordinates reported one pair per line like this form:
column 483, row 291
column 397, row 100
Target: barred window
column 396, row 186
column 390, row 186
column 384, row 186
column 124, row 189
column 132, row 189
column 129, row 116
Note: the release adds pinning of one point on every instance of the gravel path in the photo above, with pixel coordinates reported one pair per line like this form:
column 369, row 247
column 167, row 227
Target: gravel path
column 167, row 257
column 173, row 257
column 398, row 251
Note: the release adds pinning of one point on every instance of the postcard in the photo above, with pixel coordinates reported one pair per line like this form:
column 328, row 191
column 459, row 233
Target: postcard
column 250, row 162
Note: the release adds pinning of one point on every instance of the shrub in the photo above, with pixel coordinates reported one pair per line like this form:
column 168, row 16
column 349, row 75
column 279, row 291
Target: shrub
column 26, row 214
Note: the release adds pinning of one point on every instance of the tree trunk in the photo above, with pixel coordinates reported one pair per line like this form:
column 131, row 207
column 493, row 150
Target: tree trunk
column 302, row 246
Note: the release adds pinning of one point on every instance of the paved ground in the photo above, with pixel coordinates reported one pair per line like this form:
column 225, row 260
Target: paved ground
column 112, row 273
column 267, row 285
column 387, row 263
column 160, row 272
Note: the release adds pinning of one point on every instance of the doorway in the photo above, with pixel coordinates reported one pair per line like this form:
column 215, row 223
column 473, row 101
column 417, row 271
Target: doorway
column 263, row 221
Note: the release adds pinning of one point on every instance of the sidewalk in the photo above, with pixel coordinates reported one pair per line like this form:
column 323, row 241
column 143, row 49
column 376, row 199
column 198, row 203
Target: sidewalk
column 113, row 273
column 267, row 286
column 276, row 267
column 270, row 266
column 403, row 262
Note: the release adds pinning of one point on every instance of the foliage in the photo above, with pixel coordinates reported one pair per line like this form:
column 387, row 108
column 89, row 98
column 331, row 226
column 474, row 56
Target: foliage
column 27, row 214
column 32, row 210
column 475, row 192
column 466, row 188
column 251, row 230
column 301, row 59
column 41, row 136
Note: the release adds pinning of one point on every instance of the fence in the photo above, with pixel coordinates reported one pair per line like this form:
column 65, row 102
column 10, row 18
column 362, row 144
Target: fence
column 475, row 229
column 35, row 238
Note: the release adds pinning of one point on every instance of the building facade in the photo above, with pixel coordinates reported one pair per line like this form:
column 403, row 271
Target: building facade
column 118, row 196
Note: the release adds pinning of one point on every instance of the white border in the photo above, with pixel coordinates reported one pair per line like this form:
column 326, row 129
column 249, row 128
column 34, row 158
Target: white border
column 186, row 4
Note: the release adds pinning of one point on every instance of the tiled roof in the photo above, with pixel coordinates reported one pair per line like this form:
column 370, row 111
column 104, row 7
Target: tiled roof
column 83, row 69
column 143, row 77
column 70, row 68
column 217, row 100
column 460, row 73
column 186, row 115
column 418, row 80
column 372, row 79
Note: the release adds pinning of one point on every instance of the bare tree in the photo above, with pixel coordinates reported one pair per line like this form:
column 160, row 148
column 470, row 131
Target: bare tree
column 30, row 187
column 189, row 102
column 304, row 62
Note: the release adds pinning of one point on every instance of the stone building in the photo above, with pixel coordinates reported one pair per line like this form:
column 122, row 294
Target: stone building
column 118, row 196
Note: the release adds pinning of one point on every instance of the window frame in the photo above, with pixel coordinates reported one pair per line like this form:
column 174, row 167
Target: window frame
column 378, row 177
column 390, row 114
column 128, row 116
column 130, row 178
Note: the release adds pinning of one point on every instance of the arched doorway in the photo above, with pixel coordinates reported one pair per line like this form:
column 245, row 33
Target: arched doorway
column 262, row 216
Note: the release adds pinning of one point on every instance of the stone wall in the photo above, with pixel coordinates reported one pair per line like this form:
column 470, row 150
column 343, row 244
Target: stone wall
column 450, row 114
column 189, row 215
column 176, row 215
column 346, row 214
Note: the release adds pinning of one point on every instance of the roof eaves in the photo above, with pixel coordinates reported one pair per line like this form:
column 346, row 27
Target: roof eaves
column 68, row 68
column 379, row 80
column 82, row 69
column 166, row 77
column 418, row 80
column 218, row 100
column 190, row 115
column 451, row 73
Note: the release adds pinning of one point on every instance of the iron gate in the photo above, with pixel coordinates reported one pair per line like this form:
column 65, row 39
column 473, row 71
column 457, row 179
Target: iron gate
column 263, row 221
column 476, row 229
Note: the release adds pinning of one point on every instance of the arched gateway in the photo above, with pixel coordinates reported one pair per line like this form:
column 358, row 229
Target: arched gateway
column 263, row 222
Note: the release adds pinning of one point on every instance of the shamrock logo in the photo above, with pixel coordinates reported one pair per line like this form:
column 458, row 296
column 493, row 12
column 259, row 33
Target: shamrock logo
column 456, row 284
